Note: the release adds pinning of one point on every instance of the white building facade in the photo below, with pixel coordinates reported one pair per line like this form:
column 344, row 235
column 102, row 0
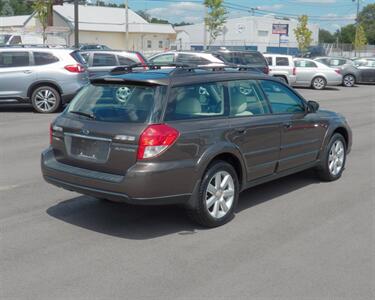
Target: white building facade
column 252, row 32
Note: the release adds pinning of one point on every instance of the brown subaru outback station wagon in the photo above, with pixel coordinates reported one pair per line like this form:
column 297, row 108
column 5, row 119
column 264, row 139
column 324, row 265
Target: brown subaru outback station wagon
column 190, row 136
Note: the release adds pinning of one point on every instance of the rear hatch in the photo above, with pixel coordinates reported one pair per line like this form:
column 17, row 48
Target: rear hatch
column 101, row 127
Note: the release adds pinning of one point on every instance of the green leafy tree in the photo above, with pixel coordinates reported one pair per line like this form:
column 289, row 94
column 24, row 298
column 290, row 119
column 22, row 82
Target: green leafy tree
column 41, row 8
column 303, row 34
column 360, row 38
column 6, row 9
column 326, row 37
column 347, row 34
column 215, row 18
column 367, row 20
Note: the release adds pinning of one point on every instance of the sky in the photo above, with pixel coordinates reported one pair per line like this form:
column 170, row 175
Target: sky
column 329, row 14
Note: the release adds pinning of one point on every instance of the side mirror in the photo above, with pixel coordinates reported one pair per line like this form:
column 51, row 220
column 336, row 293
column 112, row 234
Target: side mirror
column 312, row 106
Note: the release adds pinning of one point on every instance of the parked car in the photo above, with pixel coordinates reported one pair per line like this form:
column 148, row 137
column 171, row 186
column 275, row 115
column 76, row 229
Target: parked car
column 189, row 137
column 253, row 60
column 314, row 74
column 87, row 47
column 350, row 73
column 100, row 62
column 46, row 78
column 185, row 58
column 366, row 67
column 282, row 67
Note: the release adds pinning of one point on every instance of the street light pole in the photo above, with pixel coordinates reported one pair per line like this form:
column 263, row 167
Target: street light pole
column 127, row 25
column 76, row 25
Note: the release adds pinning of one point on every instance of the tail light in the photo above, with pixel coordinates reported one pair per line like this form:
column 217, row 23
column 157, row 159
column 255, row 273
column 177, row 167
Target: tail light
column 294, row 71
column 155, row 139
column 338, row 71
column 266, row 70
column 77, row 68
column 141, row 59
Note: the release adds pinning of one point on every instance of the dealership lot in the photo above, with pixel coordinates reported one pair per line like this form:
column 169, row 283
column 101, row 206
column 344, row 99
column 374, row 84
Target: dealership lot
column 291, row 238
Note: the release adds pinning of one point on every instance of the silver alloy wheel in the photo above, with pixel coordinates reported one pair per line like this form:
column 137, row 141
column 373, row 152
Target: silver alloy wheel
column 349, row 80
column 45, row 100
column 220, row 194
column 336, row 157
column 319, row 83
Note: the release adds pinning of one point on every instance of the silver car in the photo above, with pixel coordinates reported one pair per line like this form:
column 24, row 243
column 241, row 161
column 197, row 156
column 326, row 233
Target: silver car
column 186, row 57
column 314, row 74
column 46, row 78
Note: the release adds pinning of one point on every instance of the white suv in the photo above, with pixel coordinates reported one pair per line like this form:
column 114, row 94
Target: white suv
column 282, row 66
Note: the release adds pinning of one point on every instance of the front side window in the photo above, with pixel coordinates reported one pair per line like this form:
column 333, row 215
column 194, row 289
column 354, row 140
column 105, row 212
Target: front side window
column 163, row 59
column 246, row 99
column 115, row 102
column 44, row 58
column 282, row 61
column 104, row 60
column 281, row 98
column 195, row 102
column 14, row 59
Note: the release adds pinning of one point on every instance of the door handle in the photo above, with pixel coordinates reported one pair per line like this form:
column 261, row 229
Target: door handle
column 287, row 125
column 27, row 71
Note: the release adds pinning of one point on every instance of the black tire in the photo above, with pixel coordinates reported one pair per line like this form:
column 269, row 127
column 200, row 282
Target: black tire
column 323, row 170
column 46, row 99
column 201, row 214
column 348, row 80
column 319, row 83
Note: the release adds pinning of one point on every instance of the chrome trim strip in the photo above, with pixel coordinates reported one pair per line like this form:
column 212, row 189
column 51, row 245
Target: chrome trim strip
column 96, row 138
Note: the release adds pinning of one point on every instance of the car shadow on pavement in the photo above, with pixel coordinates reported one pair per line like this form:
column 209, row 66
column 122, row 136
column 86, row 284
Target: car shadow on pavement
column 19, row 108
column 147, row 222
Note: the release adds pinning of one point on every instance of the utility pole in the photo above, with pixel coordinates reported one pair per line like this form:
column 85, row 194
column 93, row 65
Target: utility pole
column 127, row 25
column 76, row 25
column 356, row 26
column 204, row 28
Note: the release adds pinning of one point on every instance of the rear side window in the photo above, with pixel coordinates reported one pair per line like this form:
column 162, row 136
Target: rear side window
column 124, row 61
column 246, row 99
column 253, row 58
column 191, row 59
column 305, row 64
column 195, row 102
column 85, row 56
column 163, row 59
column 337, row 62
column 281, row 98
column 44, row 58
column 115, row 103
column 77, row 57
column 282, row 61
column 104, row 60
column 14, row 59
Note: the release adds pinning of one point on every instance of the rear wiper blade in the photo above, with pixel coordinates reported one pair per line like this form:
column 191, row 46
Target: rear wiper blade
column 81, row 113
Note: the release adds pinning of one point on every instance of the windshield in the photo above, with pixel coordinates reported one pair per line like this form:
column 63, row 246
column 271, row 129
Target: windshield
column 115, row 103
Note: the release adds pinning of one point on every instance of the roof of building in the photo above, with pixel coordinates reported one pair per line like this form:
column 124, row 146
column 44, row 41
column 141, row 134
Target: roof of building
column 14, row 21
column 109, row 19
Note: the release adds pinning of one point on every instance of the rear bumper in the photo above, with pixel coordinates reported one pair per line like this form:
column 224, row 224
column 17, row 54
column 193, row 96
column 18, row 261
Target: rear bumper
column 143, row 185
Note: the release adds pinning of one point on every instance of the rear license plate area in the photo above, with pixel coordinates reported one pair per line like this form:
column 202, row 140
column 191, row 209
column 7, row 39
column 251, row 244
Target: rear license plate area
column 87, row 148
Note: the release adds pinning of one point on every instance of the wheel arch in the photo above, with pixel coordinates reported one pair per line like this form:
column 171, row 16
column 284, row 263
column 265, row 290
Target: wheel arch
column 38, row 84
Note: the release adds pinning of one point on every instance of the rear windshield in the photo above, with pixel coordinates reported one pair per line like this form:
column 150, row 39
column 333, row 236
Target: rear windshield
column 78, row 57
column 115, row 103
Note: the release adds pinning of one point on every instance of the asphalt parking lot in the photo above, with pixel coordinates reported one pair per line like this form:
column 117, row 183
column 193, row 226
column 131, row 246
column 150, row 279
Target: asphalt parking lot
column 295, row 238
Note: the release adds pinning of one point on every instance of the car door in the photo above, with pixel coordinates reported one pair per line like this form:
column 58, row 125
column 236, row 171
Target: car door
column 254, row 130
column 16, row 74
column 305, row 72
column 102, row 64
column 301, row 133
column 368, row 71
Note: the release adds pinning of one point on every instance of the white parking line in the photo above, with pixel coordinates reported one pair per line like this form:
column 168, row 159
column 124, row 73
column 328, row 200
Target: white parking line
column 9, row 187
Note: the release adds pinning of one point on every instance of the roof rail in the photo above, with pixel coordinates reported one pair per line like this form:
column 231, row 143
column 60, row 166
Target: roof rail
column 32, row 46
column 179, row 68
